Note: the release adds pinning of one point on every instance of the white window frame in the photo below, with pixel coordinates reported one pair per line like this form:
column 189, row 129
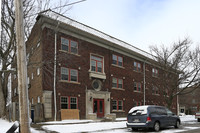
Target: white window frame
column 98, row 56
column 38, row 71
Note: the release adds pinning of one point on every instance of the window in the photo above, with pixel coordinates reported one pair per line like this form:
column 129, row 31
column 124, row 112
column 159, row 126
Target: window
column 117, row 83
column 69, row 74
column 155, row 90
column 166, row 92
column 96, row 64
column 64, row 73
column 74, row 47
column 64, row 103
column 73, row 75
column 69, row 102
column 136, row 66
column 114, row 105
column 154, row 72
column 69, row 45
column 32, row 101
column 32, row 76
column 137, row 86
column 117, row 105
column 120, row 105
column 38, row 71
column 117, row 60
column 38, row 99
column 73, row 103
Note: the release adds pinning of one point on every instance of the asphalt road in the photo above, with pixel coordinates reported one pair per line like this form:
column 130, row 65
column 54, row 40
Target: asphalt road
column 191, row 127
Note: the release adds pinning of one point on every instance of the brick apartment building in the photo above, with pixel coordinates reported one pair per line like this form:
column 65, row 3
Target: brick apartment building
column 95, row 75
column 190, row 102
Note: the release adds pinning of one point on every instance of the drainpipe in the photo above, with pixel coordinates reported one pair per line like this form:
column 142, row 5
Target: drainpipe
column 54, row 74
column 144, row 83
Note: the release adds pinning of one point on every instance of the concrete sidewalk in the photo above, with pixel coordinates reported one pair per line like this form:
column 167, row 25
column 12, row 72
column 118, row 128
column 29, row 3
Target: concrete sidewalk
column 38, row 126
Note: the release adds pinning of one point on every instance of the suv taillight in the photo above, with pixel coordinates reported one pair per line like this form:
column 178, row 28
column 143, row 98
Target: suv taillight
column 148, row 119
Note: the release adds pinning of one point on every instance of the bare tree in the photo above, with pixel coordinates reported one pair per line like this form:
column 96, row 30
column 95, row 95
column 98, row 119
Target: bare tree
column 180, row 67
column 8, row 37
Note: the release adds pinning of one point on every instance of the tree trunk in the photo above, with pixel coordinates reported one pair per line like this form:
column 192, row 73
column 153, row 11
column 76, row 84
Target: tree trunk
column 2, row 100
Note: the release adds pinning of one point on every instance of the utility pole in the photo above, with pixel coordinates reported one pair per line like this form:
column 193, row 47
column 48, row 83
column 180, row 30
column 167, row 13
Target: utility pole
column 21, row 69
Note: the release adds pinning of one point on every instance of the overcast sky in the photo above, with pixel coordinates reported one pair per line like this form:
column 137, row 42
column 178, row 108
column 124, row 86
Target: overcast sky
column 142, row 22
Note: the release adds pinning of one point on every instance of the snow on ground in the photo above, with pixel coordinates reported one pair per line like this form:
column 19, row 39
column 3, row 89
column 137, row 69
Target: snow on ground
column 94, row 126
column 67, row 122
column 5, row 125
column 90, row 127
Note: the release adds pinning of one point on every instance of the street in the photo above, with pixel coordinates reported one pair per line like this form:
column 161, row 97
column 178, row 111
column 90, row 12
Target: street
column 187, row 127
column 113, row 127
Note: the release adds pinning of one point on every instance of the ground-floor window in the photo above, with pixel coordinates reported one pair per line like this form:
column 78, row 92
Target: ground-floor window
column 68, row 102
column 117, row 105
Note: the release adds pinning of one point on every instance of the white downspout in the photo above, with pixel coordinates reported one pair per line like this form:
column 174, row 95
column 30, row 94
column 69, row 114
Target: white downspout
column 54, row 75
column 144, row 84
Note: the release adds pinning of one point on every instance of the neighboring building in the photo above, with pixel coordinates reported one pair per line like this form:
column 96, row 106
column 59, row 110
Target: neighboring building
column 190, row 102
column 96, row 74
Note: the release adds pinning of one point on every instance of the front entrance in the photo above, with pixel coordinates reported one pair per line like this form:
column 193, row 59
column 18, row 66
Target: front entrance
column 98, row 107
column 32, row 115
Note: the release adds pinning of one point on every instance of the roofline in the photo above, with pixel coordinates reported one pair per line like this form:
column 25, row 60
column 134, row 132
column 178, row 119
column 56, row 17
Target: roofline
column 143, row 54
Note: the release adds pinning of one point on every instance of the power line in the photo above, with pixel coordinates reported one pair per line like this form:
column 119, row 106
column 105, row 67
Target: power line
column 58, row 7
column 68, row 4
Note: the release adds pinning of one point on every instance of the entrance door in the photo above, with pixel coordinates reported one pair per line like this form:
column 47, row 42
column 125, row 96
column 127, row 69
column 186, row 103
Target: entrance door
column 98, row 107
column 32, row 115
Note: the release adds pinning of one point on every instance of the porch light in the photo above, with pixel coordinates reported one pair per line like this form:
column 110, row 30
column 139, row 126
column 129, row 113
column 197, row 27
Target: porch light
column 91, row 98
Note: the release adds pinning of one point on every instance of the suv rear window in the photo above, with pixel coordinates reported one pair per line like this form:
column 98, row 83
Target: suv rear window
column 157, row 110
column 140, row 110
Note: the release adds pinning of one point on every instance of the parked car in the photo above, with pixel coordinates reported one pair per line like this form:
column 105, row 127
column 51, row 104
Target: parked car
column 151, row 116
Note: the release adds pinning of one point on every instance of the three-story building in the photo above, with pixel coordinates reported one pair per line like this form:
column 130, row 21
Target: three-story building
column 75, row 71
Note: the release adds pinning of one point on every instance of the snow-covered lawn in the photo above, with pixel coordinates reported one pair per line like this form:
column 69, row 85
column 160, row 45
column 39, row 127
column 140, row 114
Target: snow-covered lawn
column 5, row 125
column 91, row 126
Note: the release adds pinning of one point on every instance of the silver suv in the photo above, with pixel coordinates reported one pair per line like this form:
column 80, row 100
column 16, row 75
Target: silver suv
column 151, row 116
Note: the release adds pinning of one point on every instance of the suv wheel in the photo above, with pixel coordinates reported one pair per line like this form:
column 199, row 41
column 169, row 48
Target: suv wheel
column 156, row 126
column 177, row 124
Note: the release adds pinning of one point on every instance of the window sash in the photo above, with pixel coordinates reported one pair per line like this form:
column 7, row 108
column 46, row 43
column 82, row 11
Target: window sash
column 137, row 86
column 74, row 75
column 69, row 74
column 114, row 57
column 117, row 60
column 64, row 73
column 117, row 83
column 114, row 105
column 74, row 47
column 120, row 83
column 73, row 103
column 120, row 105
column 69, row 45
column 64, row 44
column 114, row 82
column 136, row 66
column 96, row 64
column 154, row 72
column 64, row 102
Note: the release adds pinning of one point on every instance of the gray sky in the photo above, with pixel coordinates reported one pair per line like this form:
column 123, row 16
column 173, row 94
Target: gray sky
column 142, row 22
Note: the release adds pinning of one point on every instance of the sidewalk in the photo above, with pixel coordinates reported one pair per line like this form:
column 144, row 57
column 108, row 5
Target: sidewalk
column 83, row 125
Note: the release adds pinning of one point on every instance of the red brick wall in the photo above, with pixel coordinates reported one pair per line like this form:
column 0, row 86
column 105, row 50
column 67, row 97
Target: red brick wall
column 44, row 55
column 82, row 64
